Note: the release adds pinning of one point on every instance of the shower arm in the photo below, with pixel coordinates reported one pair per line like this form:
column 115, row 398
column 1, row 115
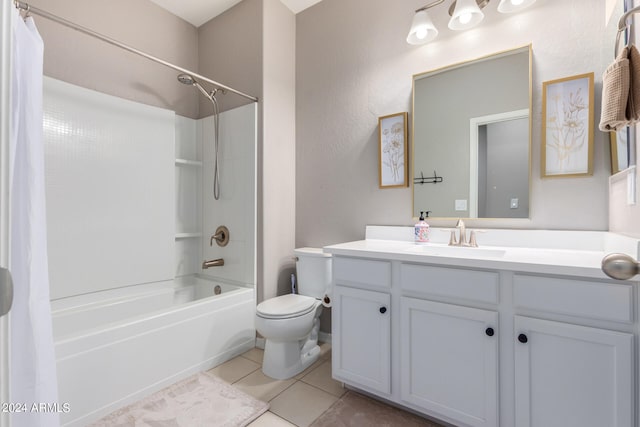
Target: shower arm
column 36, row 11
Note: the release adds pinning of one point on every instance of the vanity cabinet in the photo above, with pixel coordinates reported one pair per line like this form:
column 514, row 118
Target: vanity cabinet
column 475, row 346
column 568, row 375
column 362, row 341
column 449, row 359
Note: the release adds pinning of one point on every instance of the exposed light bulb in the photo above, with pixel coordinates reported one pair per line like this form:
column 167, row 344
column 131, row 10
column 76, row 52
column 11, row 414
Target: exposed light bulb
column 465, row 18
column 422, row 29
column 511, row 6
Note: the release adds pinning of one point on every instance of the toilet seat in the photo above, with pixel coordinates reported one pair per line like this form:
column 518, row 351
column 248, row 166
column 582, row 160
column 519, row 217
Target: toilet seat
column 286, row 306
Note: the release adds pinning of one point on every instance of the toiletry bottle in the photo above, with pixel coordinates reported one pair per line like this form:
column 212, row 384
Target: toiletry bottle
column 422, row 228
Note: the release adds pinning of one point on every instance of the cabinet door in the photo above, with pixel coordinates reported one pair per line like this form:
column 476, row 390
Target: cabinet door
column 572, row 376
column 449, row 360
column 361, row 341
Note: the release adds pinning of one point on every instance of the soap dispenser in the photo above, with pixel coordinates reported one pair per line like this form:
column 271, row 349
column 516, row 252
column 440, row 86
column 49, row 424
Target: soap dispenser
column 422, row 228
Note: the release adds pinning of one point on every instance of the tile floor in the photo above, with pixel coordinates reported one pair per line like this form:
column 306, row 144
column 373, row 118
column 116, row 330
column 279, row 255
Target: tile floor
column 298, row 401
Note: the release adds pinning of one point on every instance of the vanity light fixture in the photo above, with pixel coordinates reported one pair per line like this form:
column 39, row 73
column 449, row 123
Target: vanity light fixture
column 509, row 6
column 466, row 14
column 422, row 28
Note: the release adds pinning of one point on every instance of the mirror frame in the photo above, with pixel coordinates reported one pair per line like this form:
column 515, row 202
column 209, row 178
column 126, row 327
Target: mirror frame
column 507, row 52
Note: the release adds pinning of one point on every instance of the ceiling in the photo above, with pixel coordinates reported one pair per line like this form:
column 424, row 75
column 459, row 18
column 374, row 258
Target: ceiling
column 197, row 12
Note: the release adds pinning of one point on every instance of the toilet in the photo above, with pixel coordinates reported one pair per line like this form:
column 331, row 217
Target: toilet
column 290, row 323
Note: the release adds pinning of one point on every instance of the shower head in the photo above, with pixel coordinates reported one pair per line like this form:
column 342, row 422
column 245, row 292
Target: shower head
column 186, row 79
column 189, row 80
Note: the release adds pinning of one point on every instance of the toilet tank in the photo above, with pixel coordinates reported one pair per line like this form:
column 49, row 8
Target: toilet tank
column 314, row 272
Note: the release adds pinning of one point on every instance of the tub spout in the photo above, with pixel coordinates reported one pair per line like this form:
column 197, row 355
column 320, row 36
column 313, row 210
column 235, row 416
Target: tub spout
column 213, row 263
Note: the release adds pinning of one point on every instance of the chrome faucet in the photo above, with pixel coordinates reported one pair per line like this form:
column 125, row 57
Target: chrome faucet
column 213, row 263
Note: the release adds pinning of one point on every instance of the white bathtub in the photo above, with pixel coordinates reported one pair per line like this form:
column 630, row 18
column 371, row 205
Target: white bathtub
column 115, row 347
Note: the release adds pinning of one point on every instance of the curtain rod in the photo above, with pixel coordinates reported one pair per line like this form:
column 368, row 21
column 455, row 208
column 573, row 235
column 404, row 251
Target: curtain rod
column 47, row 15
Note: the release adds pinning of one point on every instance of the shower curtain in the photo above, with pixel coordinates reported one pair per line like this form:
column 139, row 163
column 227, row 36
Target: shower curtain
column 33, row 390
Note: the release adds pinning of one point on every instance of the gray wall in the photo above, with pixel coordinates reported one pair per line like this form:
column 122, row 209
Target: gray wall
column 354, row 65
column 278, row 173
column 230, row 50
column 84, row 61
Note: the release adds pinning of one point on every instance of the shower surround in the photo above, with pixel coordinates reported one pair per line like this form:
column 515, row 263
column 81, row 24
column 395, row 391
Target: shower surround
column 130, row 210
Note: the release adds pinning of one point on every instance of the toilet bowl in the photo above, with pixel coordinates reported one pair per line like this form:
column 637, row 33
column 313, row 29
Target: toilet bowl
column 290, row 323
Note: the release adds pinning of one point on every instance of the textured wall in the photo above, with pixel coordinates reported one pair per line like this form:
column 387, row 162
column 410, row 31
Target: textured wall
column 82, row 60
column 278, row 149
column 353, row 65
column 230, row 52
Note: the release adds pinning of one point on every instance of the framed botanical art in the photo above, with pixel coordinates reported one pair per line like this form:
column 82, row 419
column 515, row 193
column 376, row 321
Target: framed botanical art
column 567, row 126
column 392, row 139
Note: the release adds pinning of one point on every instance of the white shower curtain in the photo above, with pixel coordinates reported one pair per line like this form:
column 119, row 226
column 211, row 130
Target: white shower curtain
column 32, row 363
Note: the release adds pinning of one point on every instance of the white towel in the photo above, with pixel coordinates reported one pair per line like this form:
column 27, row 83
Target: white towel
column 615, row 93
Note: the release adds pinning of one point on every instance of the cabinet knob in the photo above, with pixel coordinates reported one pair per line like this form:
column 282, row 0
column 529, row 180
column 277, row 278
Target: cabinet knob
column 383, row 309
column 523, row 338
column 489, row 331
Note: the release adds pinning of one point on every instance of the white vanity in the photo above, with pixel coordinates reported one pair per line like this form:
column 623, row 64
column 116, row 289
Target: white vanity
column 525, row 330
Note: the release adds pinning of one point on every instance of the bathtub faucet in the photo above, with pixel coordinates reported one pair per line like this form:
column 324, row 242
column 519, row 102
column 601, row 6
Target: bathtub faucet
column 213, row 263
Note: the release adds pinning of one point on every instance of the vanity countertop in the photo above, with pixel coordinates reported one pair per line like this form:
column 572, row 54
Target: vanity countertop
column 532, row 257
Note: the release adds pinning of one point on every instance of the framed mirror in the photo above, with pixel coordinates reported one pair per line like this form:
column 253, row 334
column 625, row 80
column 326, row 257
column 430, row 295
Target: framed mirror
column 472, row 131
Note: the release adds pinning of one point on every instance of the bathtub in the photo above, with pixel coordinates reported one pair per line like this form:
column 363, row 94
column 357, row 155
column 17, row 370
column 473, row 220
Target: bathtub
column 115, row 347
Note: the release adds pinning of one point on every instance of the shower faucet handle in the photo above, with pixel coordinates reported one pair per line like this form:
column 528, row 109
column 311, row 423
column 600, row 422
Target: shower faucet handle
column 221, row 236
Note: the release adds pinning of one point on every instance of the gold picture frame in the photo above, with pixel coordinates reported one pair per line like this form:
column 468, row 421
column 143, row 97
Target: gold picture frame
column 393, row 170
column 567, row 126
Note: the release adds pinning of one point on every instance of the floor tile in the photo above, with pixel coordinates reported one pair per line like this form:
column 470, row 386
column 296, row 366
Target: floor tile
column 313, row 366
column 321, row 378
column 269, row 419
column 301, row 404
column 234, row 369
column 260, row 386
column 255, row 354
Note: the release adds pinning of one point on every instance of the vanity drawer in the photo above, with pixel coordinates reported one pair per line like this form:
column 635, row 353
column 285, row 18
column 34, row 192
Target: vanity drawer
column 474, row 285
column 362, row 272
column 583, row 298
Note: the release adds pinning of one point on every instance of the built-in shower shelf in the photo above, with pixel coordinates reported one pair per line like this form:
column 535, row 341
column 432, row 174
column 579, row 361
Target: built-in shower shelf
column 187, row 235
column 185, row 162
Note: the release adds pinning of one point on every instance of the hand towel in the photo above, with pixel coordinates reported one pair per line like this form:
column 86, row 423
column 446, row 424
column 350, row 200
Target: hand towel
column 633, row 103
column 615, row 93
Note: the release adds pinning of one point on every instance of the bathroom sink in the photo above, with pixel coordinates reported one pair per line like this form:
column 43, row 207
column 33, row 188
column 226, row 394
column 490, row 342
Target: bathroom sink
column 461, row 251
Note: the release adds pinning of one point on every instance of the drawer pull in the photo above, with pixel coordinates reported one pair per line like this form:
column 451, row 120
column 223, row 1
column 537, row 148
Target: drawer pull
column 523, row 338
column 489, row 331
column 383, row 309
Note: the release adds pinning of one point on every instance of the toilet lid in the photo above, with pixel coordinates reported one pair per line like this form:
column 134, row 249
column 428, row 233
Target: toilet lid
column 290, row 305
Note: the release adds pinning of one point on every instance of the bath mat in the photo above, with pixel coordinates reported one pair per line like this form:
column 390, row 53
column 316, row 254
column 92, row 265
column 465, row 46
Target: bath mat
column 356, row 410
column 198, row 401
